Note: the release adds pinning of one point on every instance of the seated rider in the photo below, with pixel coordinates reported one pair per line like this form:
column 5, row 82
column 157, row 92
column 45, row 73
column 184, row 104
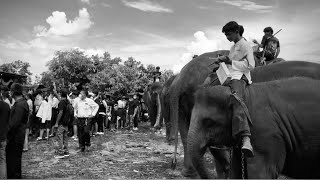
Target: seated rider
column 270, row 45
column 241, row 62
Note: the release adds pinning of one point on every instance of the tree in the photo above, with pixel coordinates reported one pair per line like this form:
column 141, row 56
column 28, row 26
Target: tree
column 71, row 67
column 166, row 74
column 17, row 67
column 120, row 79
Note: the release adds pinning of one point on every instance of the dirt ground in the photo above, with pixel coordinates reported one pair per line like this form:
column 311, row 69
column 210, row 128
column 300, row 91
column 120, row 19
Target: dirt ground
column 142, row 154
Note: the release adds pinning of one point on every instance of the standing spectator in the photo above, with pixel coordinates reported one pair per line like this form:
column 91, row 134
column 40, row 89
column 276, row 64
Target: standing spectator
column 4, row 122
column 8, row 99
column 130, row 111
column 102, row 113
column 121, row 111
column 108, row 112
column 44, row 113
column 74, row 99
column 134, row 117
column 30, row 105
column 62, row 123
column 17, row 126
column 37, row 102
column 85, row 109
column 94, row 123
column 115, row 117
column 112, row 121
column 53, row 101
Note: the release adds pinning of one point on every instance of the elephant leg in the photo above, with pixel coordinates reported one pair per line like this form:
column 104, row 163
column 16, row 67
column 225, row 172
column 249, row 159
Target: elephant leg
column 188, row 169
column 222, row 161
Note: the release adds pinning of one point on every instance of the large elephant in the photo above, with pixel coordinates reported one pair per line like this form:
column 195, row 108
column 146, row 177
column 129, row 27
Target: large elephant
column 165, row 107
column 285, row 132
column 194, row 74
column 152, row 99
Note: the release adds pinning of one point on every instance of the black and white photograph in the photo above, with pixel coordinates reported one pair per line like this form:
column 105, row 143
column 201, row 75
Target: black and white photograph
column 159, row 89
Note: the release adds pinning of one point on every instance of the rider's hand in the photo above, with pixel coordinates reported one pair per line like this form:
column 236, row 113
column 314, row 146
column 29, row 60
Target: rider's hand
column 224, row 59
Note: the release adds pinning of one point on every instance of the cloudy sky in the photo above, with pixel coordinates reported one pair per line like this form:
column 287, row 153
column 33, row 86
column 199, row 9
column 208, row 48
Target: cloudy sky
column 161, row 32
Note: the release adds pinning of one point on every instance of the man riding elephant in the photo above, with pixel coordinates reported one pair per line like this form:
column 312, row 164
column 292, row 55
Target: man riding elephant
column 270, row 45
column 285, row 135
column 152, row 99
column 242, row 62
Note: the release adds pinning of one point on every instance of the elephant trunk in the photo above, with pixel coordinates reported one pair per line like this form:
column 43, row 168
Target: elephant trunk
column 158, row 118
column 196, row 149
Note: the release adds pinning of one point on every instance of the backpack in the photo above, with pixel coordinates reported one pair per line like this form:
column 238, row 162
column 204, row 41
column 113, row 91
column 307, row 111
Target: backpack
column 68, row 117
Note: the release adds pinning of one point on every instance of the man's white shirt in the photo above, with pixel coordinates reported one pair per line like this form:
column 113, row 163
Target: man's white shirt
column 85, row 108
column 241, row 55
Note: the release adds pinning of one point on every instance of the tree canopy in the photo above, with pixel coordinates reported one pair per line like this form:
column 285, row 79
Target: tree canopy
column 73, row 69
column 18, row 67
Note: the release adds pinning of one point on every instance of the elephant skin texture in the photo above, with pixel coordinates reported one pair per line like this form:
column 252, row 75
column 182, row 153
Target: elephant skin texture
column 165, row 106
column 285, row 131
column 193, row 75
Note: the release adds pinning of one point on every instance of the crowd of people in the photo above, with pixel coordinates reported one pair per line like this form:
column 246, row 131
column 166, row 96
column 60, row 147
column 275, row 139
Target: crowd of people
column 47, row 113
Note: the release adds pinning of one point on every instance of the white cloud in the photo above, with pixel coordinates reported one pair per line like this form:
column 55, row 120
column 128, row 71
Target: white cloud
column 91, row 51
column 85, row 1
column 147, row 6
column 60, row 26
column 248, row 5
column 154, row 43
column 202, row 44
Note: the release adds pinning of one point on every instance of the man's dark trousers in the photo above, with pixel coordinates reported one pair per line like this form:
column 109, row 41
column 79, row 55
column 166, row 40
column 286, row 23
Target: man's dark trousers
column 84, row 125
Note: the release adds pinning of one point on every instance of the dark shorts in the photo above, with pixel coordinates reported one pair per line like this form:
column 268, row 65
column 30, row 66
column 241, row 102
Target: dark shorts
column 45, row 125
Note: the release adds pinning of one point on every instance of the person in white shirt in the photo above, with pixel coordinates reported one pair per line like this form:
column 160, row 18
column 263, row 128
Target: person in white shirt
column 122, row 104
column 241, row 62
column 45, row 114
column 84, row 110
column 74, row 97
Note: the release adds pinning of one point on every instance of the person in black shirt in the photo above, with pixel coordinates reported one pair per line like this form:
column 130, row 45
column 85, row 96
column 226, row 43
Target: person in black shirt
column 134, row 112
column 101, row 115
column 17, row 126
column 4, row 121
column 62, row 125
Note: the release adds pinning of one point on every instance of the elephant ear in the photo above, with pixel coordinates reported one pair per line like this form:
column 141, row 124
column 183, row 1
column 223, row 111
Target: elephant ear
column 237, row 105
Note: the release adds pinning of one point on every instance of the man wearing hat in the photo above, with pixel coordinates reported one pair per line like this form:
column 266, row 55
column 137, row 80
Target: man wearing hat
column 17, row 126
